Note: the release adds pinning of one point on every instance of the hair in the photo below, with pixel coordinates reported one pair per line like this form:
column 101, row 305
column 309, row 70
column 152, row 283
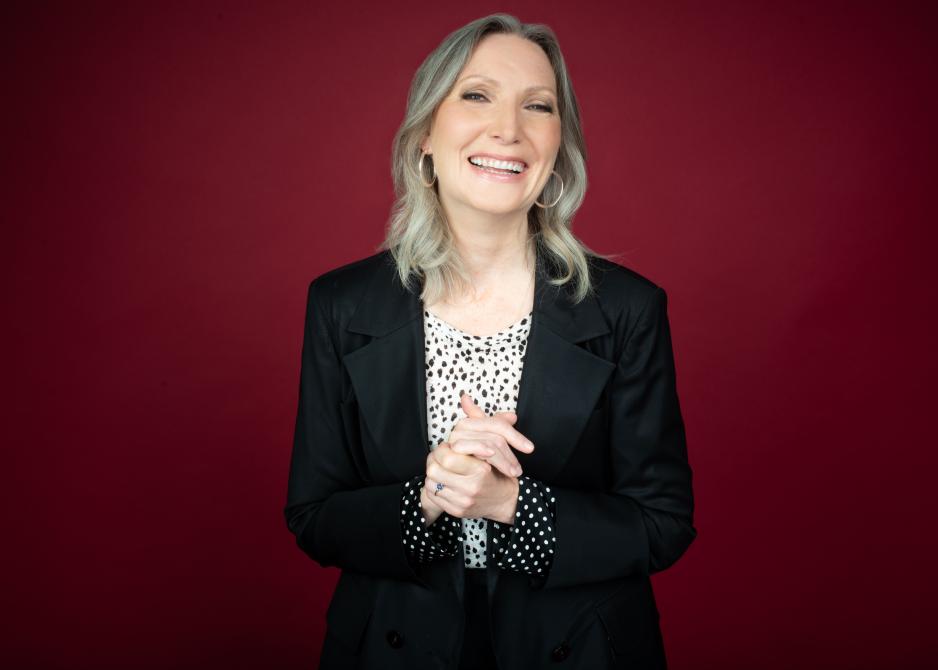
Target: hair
column 418, row 236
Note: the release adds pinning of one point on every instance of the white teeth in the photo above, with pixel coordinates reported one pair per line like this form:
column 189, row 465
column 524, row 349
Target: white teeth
column 501, row 165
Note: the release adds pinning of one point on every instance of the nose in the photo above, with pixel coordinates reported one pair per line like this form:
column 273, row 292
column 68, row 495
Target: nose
column 505, row 124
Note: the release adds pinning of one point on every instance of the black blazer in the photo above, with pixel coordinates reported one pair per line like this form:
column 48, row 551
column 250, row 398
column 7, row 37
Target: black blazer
column 597, row 397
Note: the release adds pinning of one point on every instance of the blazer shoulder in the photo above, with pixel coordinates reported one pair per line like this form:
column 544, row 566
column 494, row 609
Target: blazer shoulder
column 626, row 298
column 346, row 283
column 620, row 288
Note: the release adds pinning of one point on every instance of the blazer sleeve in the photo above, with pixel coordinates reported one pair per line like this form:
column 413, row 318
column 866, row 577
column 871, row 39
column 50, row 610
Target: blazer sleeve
column 644, row 523
column 338, row 520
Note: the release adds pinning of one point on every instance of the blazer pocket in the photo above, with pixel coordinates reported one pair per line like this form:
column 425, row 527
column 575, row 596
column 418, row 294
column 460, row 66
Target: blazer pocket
column 631, row 620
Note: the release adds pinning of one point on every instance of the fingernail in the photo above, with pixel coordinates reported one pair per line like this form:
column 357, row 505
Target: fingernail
column 517, row 472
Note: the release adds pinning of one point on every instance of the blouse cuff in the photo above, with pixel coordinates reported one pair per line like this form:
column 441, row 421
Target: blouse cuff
column 423, row 543
column 528, row 545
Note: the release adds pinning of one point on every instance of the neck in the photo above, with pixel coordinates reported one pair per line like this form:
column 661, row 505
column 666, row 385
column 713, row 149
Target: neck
column 493, row 249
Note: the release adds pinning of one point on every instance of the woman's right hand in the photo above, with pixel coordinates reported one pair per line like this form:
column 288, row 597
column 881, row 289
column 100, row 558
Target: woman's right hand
column 481, row 437
column 489, row 437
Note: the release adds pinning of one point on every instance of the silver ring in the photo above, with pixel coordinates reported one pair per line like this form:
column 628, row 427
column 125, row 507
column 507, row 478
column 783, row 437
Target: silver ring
column 439, row 487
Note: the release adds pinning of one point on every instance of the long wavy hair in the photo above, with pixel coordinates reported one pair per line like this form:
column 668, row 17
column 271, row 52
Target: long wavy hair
column 418, row 237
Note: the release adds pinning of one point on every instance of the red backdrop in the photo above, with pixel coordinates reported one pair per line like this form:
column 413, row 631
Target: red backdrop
column 176, row 174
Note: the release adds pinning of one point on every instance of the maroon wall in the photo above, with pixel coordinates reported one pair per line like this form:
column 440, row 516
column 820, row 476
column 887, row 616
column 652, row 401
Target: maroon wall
column 176, row 173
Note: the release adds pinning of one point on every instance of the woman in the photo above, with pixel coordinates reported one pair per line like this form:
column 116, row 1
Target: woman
column 489, row 443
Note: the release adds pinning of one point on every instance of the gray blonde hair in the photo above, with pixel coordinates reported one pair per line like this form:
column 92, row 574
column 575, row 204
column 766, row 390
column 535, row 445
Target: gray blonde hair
column 417, row 235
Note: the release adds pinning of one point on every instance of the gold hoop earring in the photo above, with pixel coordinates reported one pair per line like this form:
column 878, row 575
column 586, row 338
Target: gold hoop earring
column 420, row 170
column 558, row 197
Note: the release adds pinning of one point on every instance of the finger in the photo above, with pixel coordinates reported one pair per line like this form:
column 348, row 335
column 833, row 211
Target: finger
column 458, row 460
column 462, row 464
column 434, row 493
column 469, row 406
column 440, row 499
column 472, row 448
column 489, row 447
column 457, row 479
column 432, row 481
column 501, row 459
column 511, row 417
column 446, row 498
column 504, row 458
column 473, row 411
column 505, row 463
column 514, row 438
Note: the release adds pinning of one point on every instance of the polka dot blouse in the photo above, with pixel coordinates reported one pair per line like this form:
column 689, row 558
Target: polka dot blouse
column 489, row 368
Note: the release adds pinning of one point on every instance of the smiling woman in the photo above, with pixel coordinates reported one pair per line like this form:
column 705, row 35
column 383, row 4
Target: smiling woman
column 494, row 90
column 489, row 442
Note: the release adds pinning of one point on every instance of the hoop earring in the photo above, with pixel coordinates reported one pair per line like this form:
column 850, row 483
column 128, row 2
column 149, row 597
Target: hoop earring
column 558, row 197
column 420, row 171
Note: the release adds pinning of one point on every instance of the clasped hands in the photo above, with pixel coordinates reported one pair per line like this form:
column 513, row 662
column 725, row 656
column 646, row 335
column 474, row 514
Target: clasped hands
column 477, row 467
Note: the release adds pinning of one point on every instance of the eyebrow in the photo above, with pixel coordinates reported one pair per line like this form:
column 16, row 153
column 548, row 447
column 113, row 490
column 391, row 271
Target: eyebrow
column 529, row 89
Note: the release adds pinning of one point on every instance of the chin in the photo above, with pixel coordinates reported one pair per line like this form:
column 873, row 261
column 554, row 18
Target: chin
column 498, row 210
column 504, row 207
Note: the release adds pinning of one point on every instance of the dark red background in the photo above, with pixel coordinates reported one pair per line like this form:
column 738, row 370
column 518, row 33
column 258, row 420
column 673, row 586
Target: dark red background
column 175, row 174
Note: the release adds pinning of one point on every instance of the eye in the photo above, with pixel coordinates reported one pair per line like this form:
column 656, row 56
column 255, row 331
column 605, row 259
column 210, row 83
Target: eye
column 472, row 95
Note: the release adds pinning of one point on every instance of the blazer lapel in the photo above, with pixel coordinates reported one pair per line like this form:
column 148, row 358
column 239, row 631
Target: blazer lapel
column 388, row 374
column 560, row 381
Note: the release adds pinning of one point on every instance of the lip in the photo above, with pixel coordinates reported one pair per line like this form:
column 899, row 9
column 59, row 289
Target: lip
column 491, row 176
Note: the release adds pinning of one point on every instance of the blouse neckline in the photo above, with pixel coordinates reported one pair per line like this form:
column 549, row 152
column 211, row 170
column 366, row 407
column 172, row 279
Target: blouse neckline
column 504, row 334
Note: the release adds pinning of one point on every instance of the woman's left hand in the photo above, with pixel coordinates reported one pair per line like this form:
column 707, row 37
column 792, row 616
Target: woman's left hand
column 472, row 487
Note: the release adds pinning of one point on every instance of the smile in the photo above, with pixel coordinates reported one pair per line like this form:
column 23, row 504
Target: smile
column 496, row 170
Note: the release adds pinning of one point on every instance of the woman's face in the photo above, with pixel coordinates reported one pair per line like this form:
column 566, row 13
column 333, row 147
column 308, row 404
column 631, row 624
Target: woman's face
column 503, row 105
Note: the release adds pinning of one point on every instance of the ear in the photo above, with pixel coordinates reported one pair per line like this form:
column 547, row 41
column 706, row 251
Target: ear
column 425, row 145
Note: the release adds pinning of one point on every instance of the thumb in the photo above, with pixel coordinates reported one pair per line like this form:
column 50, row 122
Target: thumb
column 469, row 406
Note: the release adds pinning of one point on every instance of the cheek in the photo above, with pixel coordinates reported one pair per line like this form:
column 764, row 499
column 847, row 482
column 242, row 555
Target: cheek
column 456, row 129
column 549, row 140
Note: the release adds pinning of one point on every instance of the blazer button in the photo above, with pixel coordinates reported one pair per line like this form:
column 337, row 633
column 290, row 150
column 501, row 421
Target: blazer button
column 395, row 639
column 560, row 652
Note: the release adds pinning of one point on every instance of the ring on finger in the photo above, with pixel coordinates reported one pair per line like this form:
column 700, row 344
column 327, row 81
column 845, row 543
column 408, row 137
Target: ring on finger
column 436, row 489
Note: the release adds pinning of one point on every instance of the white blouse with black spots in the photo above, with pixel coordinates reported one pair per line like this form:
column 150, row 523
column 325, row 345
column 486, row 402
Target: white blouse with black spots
column 489, row 369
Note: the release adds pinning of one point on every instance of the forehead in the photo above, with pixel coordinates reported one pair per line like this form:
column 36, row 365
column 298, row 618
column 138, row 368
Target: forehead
column 510, row 60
